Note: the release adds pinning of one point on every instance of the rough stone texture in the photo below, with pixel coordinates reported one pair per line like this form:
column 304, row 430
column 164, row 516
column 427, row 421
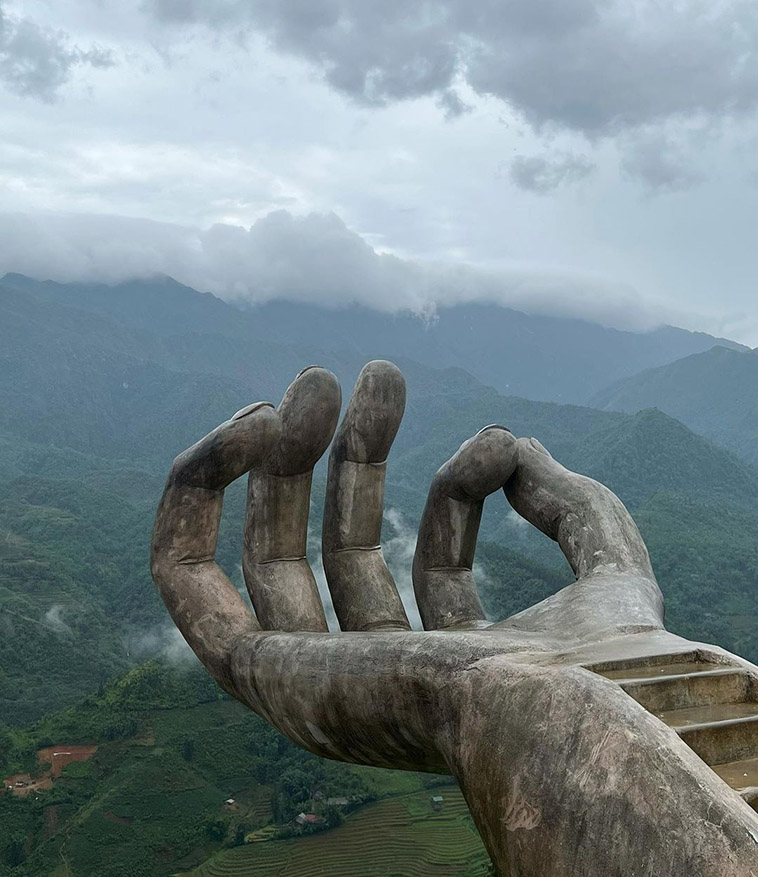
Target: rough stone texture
column 566, row 725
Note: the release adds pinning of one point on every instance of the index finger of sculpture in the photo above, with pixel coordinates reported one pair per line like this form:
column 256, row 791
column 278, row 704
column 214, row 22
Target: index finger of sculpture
column 442, row 566
column 363, row 591
column 278, row 576
column 205, row 606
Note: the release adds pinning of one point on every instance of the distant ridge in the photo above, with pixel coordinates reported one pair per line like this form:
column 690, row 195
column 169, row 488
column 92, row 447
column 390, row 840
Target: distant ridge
column 714, row 392
column 538, row 357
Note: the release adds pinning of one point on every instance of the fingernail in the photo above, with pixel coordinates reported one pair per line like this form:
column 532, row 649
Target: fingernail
column 540, row 447
column 306, row 369
column 494, row 426
column 248, row 409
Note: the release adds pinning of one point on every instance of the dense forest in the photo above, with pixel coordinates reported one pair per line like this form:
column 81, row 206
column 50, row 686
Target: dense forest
column 97, row 395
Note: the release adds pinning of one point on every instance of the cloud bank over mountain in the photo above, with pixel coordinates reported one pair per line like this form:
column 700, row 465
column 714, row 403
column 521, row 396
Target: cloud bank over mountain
column 313, row 258
column 596, row 149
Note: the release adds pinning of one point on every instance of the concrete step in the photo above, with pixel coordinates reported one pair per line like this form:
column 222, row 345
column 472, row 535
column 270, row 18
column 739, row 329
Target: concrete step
column 642, row 672
column 711, row 706
column 742, row 776
column 645, row 665
column 712, row 715
column 718, row 733
column 683, row 690
column 673, row 682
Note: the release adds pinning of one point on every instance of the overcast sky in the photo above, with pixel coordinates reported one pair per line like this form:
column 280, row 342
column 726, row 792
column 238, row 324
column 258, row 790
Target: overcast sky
column 596, row 157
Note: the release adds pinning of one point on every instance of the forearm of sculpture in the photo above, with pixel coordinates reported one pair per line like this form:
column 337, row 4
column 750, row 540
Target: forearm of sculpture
column 550, row 758
column 547, row 757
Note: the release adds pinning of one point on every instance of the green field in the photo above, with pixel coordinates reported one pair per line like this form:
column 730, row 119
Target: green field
column 394, row 837
column 150, row 802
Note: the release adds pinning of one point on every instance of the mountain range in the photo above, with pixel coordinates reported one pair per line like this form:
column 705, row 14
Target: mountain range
column 714, row 392
column 100, row 387
column 538, row 357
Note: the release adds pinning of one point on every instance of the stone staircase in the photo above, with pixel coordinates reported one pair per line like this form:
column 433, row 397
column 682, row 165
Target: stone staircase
column 713, row 707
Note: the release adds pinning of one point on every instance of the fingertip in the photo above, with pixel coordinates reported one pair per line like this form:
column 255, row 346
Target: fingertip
column 380, row 383
column 310, row 368
column 374, row 413
column 314, row 382
column 538, row 446
column 309, row 412
column 230, row 450
column 384, row 369
column 482, row 464
column 494, row 426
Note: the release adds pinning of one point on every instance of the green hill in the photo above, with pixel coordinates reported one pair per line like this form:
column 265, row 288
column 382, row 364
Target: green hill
column 171, row 750
column 715, row 393
column 97, row 395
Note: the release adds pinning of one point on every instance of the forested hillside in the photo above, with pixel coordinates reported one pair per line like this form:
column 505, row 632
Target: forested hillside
column 97, row 395
column 715, row 393
column 169, row 751
column 540, row 357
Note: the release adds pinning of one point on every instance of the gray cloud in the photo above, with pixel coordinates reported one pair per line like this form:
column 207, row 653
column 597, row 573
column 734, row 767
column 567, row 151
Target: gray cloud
column 35, row 61
column 596, row 67
column 314, row 258
column 660, row 162
column 541, row 174
column 452, row 104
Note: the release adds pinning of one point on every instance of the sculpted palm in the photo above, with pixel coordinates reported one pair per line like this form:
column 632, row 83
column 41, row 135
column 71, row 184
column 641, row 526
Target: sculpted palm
column 565, row 773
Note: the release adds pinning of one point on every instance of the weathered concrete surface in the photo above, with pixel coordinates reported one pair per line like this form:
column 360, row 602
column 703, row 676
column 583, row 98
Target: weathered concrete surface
column 363, row 590
column 565, row 725
column 278, row 576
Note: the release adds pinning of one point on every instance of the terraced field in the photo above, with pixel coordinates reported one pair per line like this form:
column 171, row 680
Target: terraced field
column 396, row 837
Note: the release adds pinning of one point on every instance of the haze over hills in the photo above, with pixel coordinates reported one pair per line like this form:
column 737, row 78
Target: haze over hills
column 100, row 388
column 535, row 356
column 714, row 392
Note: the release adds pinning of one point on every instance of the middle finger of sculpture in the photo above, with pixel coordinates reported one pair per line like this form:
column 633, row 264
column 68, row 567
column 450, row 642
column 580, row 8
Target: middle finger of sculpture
column 551, row 721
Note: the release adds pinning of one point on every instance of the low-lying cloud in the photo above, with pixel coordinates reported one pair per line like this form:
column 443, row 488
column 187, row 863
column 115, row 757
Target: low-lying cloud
column 314, row 258
column 54, row 619
column 399, row 546
column 163, row 641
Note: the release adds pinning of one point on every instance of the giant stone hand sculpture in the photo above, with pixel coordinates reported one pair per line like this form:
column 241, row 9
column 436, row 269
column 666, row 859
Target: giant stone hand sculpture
column 580, row 730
